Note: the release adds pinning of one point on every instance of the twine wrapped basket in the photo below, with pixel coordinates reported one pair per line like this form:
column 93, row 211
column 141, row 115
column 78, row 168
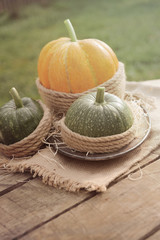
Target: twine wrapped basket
column 60, row 102
column 101, row 144
column 30, row 144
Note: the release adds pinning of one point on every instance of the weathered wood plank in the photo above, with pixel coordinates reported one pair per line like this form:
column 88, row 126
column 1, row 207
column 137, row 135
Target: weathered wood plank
column 155, row 236
column 157, row 150
column 128, row 210
column 138, row 167
column 8, row 179
column 31, row 205
column 14, row 228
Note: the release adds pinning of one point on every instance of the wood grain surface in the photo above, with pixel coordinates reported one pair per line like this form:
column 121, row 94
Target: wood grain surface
column 129, row 210
column 10, row 181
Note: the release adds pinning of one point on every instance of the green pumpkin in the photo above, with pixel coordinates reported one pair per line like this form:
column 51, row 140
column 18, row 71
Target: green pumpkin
column 19, row 118
column 99, row 114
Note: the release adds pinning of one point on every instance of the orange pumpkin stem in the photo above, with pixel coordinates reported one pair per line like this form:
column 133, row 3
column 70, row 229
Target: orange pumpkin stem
column 70, row 29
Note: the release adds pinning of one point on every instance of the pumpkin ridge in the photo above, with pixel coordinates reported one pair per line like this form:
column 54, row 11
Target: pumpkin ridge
column 123, row 117
column 47, row 50
column 100, row 59
column 29, row 113
column 110, row 51
column 59, row 42
column 22, row 126
column 40, row 59
column 86, row 127
column 37, row 117
column 66, row 69
column 59, row 48
column 107, row 118
column 13, row 130
column 89, row 65
column 130, row 115
column 84, row 118
column 117, row 111
column 114, row 63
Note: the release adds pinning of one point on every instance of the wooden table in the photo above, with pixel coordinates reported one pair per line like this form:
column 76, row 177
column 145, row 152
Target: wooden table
column 130, row 209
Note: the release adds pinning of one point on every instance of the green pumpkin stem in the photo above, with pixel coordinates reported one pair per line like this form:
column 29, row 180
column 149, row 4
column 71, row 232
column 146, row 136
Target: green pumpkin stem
column 16, row 97
column 70, row 29
column 100, row 95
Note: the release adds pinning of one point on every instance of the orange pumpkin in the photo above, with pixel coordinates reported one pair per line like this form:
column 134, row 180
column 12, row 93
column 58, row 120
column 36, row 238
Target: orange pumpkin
column 74, row 66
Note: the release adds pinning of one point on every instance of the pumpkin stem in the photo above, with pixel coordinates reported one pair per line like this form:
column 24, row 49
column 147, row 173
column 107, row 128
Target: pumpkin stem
column 70, row 29
column 100, row 95
column 16, row 97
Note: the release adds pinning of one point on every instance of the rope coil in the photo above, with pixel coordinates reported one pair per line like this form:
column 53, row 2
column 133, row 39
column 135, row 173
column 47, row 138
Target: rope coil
column 100, row 144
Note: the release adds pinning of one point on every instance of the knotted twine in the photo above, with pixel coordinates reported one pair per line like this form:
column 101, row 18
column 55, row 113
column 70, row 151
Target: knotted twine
column 30, row 144
column 60, row 101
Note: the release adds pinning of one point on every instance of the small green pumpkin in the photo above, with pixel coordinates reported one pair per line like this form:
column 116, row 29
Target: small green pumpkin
column 19, row 118
column 99, row 114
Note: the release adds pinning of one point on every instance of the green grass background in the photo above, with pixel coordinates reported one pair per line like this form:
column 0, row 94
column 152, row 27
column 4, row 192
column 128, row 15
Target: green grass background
column 130, row 27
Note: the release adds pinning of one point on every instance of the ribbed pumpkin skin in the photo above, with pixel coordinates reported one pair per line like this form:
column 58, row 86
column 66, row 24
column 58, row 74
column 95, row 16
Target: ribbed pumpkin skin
column 92, row 119
column 16, row 124
column 74, row 67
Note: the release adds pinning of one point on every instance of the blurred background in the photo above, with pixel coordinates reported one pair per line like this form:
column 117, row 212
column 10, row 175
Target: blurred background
column 130, row 27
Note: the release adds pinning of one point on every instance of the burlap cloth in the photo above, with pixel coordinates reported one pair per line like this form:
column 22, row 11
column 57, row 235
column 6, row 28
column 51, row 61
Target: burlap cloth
column 63, row 172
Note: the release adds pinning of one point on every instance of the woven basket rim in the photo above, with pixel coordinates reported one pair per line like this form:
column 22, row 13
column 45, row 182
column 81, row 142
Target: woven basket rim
column 98, row 139
column 50, row 91
column 98, row 144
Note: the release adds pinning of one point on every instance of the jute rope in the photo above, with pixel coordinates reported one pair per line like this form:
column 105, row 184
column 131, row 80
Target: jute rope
column 30, row 145
column 60, row 102
column 100, row 144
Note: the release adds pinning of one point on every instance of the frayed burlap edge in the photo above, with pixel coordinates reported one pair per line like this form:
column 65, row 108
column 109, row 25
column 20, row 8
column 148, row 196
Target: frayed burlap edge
column 30, row 145
column 60, row 102
column 53, row 179
column 100, row 144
